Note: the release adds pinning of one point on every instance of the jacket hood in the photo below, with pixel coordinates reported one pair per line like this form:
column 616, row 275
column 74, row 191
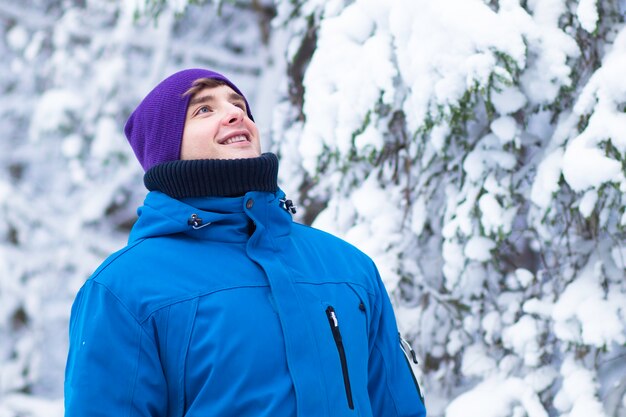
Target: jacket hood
column 214, row 218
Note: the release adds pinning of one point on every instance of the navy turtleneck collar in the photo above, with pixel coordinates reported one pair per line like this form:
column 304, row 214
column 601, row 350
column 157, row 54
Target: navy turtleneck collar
column 214, row 177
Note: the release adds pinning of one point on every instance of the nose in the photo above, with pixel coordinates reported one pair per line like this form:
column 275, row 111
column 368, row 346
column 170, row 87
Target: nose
column 233, row 114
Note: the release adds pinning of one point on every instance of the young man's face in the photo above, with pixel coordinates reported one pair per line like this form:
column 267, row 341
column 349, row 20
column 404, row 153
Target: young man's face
column 217, row 126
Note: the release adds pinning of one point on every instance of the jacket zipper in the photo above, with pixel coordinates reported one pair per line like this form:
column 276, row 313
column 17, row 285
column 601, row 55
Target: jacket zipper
column 404, row 343
column 334, row 327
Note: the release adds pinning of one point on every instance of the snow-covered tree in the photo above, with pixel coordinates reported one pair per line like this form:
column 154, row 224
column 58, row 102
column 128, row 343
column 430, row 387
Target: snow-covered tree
column 477, row 151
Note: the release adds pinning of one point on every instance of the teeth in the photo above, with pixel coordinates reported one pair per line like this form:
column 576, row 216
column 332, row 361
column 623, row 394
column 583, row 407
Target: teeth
column 235, row 139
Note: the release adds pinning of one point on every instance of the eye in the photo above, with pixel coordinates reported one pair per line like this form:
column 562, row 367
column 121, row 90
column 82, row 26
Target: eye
column 203, row 109
column 240, row 105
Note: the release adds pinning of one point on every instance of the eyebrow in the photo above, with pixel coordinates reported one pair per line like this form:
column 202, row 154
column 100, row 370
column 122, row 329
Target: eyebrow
column 208, row 98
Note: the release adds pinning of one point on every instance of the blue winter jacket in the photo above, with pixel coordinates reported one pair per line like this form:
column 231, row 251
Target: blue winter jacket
column 241, row 312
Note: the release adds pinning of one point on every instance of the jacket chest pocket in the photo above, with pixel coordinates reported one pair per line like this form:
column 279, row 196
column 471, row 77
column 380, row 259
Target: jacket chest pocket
column 344, row 346
column 339, row 319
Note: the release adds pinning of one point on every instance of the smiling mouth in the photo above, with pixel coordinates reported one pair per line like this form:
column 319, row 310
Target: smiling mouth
column 234, row 139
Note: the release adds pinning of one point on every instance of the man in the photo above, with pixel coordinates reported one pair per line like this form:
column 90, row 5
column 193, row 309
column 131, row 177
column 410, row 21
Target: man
column 220, row 305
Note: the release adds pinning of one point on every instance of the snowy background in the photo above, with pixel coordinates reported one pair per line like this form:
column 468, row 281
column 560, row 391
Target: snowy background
column 475, row 149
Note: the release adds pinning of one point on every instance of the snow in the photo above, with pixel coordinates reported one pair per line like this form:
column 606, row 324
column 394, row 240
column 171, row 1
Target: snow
column 581, row 162
column 543, row 80
column 438, row 136
column 452, row 254
column 455, row 343
column 17, row 37
column 141, row 6
column 479, row 248
column 492, row 326
column 539, row 307
column 369, row 200
column 583, row 305
column 26, row 405
column 510, row 305
column 505, row 128
column 362, row 74
column 524, row 277
column 370, row 137
column 588, row 202
column 464, row 34
column 460, row 218
column 539, row 126
column 547, row 180
column 540, row 379
column 494, row 217
column 34, row 47
column 523, row 338
column 508, row 100
column 587, row 14
column 618, row 255
column 72, row 146
column 418, row 216
column 576, row 398
column 604, row 93
column 54, row 112
column 476, row 362
column 5, row 191
column 108, row 139
column 485, row 157
column 497, row 397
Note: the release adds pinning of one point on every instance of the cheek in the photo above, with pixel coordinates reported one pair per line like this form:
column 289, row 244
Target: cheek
column 255, row 132
column 251, row 126
column 196, row 134
column 192, row 141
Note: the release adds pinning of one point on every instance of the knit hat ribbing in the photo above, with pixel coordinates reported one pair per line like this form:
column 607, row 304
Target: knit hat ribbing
column 155, row 129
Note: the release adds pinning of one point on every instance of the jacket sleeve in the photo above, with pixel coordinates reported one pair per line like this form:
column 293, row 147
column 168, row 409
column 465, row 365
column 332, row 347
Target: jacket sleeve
column 392, row 387
column 113, row 366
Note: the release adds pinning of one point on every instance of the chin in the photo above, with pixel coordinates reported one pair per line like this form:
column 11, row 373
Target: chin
column 243, row 155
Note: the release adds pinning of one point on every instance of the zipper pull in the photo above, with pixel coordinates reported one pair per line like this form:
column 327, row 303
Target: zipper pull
column 404, row 343
column 334, row 323
column 333, row 316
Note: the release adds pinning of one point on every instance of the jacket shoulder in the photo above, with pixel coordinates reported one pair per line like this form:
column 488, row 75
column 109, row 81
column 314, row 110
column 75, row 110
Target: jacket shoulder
column 332, row 242
column 332, row 259
column 112, row 262
column 134, row 275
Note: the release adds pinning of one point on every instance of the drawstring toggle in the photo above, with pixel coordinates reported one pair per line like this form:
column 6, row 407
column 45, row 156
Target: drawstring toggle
column 288, row 205
column 196, row 222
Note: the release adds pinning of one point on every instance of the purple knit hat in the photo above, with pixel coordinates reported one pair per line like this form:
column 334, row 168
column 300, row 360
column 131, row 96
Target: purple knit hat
column 155, row 128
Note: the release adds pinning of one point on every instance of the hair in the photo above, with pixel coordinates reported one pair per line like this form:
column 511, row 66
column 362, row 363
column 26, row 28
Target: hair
column 202, row 83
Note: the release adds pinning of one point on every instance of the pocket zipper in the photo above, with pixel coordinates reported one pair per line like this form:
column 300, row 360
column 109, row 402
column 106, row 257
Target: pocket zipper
column 334, row 327
column 404, row 343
